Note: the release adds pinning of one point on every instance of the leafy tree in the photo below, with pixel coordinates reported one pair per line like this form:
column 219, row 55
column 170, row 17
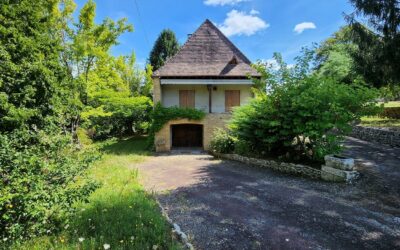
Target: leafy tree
column 31, row 77
column 165, row 46
column 378, row 41
column 333, row 57
column 85, row 43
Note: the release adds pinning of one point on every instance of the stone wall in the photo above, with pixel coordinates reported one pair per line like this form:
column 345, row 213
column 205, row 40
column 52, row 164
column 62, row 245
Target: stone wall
column 378, row 135
column 210, row 123
column 284, row 167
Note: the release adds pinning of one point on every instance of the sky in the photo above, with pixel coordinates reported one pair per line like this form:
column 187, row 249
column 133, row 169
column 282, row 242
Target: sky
column 257, row 27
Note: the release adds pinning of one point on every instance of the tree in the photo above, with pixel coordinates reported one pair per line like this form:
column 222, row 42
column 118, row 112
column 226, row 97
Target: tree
column 333, row 57
column 32, row 79
column 165, row 46
column 378, row 41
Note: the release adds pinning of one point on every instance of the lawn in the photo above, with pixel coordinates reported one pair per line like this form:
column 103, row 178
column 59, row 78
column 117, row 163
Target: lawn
column 392, row 104
column 376, row 121
column 119, row 214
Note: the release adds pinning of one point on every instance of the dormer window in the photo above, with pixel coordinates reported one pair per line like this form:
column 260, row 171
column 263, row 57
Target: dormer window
column 233, row 61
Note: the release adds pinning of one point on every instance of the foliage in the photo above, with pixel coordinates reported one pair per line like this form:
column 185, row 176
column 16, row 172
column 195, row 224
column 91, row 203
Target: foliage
column 390, row 93
column 120, row 213
column 378, row 41
column 32, row 80
column 165, row 46
column 222, row 142
column 42, row 175
column 86, row 44
column 334, row 58
column 117, row 115
column 391, row 112
column 161, row 115
column 299, row 111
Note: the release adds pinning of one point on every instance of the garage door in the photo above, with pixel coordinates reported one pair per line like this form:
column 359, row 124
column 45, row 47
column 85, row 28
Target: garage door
column 187, row 135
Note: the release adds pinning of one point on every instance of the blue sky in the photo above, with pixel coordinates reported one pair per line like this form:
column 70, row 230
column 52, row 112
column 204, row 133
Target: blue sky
column 257, row 27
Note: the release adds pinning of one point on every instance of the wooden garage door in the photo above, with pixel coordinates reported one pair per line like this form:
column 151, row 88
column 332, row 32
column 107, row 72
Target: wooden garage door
column 187, row 135
column 232, row 99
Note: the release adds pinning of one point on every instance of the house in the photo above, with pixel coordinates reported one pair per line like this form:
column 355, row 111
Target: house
column 207, row 73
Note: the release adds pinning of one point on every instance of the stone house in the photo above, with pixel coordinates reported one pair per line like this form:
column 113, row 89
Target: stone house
column 207, row 73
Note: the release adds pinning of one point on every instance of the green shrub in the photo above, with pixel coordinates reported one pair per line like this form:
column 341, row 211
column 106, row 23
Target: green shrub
column 117, row 116
column 391, row 112
column 296, row 117
column 222, row 142
column 42, row 175
column 161, row 115
column 243, row 148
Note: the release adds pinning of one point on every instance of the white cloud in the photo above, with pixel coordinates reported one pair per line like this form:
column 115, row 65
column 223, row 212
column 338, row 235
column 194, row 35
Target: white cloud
column 241, row 23
column 299, row 28
column 222, row 2
column 254, row 12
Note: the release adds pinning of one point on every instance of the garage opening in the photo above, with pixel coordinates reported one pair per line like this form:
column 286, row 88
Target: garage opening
column 187, row 135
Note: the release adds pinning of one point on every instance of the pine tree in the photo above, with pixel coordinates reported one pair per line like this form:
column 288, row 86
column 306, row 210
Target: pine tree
column 165, row 46
column 378, row 56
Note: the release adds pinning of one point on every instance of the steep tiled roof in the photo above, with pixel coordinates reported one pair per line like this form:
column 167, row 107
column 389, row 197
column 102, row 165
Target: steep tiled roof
column 207, row 53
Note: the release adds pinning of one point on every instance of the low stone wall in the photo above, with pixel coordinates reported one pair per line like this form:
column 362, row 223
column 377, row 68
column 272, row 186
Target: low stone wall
column 379, row 135
column 284, row 167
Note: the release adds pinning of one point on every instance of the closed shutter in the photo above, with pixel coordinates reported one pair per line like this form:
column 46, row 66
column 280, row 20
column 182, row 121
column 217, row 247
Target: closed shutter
column 232, row 99
column 186, row 98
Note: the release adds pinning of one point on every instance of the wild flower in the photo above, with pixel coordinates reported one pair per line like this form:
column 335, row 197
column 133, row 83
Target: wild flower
column 81, row 239
column 106, row 246
column 155, row 247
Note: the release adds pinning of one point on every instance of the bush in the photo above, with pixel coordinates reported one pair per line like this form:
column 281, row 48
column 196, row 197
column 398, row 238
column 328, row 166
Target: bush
column 222, row 142
column 297, row 115
column 118, row 116
column 42, row 175
column 391, row 112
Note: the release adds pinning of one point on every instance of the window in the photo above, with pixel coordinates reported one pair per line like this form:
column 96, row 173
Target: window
column 186, row 98
column 232, row 99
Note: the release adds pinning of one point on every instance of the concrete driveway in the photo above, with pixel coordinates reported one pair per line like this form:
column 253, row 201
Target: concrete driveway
column 228, row 205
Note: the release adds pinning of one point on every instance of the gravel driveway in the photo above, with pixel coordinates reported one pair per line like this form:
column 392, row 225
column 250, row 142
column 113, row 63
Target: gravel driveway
column 228, row 205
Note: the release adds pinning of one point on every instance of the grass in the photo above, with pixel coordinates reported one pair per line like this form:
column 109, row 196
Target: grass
column 392, row 104
column 376, row 121
column 120, row 213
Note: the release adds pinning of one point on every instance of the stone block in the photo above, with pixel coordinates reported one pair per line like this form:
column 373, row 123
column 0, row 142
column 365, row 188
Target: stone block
column 337, row 175
column 339, row 162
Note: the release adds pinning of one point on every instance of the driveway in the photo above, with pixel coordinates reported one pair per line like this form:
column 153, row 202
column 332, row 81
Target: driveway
column 229, row 205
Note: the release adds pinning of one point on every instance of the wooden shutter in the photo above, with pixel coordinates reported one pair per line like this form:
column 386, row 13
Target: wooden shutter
column 186, row 98
column 232, row 99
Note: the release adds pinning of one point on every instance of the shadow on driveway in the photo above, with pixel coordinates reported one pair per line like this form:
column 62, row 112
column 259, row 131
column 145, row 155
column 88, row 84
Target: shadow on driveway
column 229, row 205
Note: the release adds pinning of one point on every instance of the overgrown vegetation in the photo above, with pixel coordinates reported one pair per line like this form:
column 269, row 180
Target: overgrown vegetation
column 161, row 115
column 301, row 116
column 57, row 76
column 42, row 175
column 119, row 213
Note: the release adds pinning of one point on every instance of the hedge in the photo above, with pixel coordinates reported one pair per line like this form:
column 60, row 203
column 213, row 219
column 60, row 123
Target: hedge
column 391, row 112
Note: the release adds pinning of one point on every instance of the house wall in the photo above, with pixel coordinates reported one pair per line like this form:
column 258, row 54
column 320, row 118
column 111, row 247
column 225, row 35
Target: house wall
column 210, row 122
column 170, row 95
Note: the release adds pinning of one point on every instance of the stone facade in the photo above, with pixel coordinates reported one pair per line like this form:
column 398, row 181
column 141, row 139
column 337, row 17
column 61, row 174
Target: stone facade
column 290, row 168
column 210, row 122
column 378, row 135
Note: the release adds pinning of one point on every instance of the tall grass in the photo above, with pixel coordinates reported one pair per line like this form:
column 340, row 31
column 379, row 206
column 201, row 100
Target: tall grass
column 119, row 214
